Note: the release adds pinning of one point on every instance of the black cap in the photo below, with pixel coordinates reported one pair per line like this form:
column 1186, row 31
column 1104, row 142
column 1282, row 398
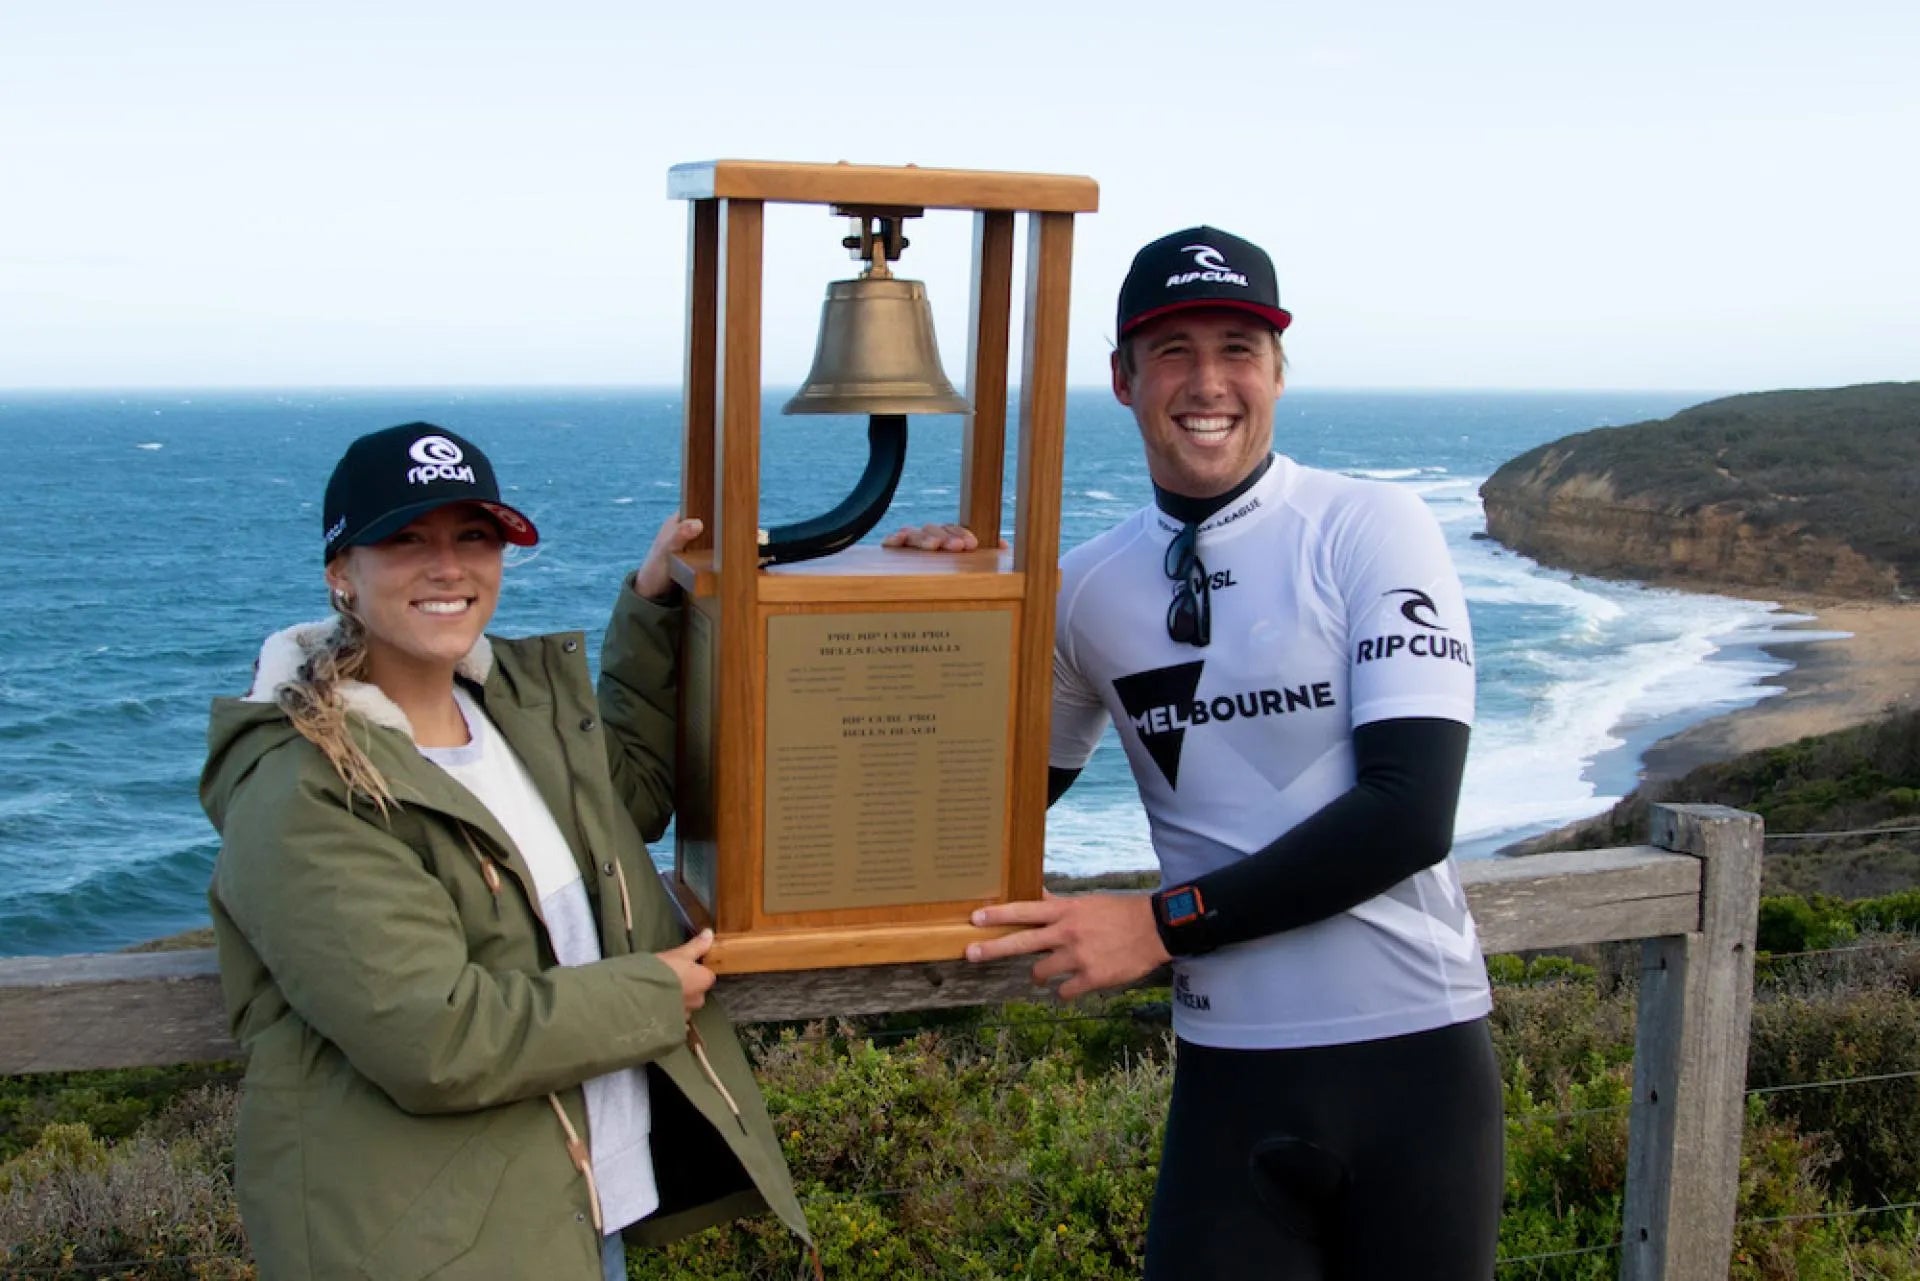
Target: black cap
column 1199, row 267
column 388, row 479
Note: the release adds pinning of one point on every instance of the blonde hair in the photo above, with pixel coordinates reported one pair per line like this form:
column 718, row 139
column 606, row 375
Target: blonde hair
column 312, row 702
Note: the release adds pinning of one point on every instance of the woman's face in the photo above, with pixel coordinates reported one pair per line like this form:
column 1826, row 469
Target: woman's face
column 426, row 593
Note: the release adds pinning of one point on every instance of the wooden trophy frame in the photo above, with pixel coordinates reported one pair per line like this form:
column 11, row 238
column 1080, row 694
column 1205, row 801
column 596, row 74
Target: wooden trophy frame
column 804, row 686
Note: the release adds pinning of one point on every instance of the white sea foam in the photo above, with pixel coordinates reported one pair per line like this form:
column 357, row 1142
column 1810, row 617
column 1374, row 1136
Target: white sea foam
column 151, row 444
column 622, row 501
column 1101, row 495
column 1624, row 657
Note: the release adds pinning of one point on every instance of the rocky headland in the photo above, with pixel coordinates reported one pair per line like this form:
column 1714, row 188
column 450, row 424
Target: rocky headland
column 1796, row 492
column 1807, row 498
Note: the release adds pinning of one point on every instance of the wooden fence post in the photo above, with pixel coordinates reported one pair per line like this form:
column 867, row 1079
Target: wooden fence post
column 1690, row 1057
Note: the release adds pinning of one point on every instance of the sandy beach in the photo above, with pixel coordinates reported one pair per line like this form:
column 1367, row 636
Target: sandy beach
column 1831, row 685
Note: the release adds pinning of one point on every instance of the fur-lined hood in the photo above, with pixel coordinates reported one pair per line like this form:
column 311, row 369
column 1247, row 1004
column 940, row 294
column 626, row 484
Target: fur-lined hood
column 284, row 652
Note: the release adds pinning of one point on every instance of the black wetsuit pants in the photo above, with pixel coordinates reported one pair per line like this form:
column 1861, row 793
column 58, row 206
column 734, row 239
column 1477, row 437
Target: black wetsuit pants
column 1376, row 1161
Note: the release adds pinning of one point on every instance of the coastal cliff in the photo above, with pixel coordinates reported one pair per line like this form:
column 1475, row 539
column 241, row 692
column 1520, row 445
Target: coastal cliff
column 1805, row 491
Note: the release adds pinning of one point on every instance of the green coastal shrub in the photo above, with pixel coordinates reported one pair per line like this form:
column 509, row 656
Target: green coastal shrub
column 112, row 1105
column 1796, row 924
column 979, row 1156
column 1874, row 1125
column 1782, row 1234
column 158, row 1205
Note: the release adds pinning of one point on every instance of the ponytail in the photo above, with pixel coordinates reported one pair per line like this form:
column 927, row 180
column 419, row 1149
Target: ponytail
column 312, row 702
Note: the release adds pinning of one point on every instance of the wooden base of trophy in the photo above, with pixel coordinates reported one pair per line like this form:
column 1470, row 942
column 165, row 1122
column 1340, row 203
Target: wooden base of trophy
column 864, row 736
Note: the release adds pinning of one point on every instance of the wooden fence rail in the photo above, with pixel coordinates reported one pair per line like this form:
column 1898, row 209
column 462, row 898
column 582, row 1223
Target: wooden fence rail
column 1692, row 896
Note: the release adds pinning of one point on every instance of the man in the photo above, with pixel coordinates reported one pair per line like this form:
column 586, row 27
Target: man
column 1286, row 655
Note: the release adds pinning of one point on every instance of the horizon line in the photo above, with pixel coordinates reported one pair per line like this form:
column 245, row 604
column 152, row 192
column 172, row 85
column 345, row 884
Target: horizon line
column 675, row 388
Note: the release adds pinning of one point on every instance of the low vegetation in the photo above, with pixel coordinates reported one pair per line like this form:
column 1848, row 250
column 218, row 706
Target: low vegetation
column 1020, row 1141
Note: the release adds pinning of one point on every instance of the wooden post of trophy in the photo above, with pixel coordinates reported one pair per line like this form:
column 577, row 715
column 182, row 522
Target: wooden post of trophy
column 863, row 737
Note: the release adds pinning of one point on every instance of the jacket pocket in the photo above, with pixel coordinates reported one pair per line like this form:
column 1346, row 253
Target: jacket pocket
column 445, row 1220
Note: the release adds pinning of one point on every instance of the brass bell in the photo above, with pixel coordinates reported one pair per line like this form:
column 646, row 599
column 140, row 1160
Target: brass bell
column 876, row 353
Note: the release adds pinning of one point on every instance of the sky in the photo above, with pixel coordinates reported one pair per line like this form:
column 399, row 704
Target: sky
column 1688, row 195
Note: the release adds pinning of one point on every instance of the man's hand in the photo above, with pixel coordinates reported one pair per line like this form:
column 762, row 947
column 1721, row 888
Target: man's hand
column 933, row 538
column 1100, row 940
column 654, row 579
column 684, row 961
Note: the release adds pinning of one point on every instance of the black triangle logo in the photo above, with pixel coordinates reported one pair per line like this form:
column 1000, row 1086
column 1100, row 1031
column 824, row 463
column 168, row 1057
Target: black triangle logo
column 1168, row 690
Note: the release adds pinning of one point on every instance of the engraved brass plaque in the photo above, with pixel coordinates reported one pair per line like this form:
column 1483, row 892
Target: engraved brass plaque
column 886, row 764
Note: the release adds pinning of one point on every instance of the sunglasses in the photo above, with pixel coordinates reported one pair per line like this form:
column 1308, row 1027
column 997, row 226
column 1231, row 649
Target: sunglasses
column 1190, row 615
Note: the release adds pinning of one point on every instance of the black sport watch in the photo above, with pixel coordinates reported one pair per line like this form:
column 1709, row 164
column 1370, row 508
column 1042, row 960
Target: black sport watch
column 1181, row 916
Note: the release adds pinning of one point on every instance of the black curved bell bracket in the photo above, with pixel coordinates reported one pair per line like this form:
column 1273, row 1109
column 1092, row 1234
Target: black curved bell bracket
column 858, row 512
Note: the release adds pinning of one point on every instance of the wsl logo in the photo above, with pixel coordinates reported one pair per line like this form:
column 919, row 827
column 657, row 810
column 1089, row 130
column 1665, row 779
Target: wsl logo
column 439, row 459
column 1429, row 642
column 1209, row 266
column 1161, row 707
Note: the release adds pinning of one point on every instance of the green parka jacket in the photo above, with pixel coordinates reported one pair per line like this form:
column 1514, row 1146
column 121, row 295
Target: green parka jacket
column 404, row 1016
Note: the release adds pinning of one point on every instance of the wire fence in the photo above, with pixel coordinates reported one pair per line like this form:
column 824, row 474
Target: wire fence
column 1146, row 1013
column 1829, row 836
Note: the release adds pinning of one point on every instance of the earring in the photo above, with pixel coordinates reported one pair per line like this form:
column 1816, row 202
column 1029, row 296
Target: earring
column 342, row 602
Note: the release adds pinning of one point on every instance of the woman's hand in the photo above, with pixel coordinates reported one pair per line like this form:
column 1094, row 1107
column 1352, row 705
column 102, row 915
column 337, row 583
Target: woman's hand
column 653, row 579
column 684, row 961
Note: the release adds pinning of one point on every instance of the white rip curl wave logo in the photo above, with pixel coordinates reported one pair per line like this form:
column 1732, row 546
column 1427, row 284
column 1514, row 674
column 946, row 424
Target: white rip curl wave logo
column 1209, row 266
column 437, row 458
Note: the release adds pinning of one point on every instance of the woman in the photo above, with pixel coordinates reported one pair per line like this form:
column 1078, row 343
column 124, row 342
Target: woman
column 477, row 1043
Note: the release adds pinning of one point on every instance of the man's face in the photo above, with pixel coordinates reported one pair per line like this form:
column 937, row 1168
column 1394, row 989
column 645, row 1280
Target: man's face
column 1202, row 391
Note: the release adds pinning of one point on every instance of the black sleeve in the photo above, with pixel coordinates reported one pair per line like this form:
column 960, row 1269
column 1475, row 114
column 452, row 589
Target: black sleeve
column 1396, row 820
column 1058, row 781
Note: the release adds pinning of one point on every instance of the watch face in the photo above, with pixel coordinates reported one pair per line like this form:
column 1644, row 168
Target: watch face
column 1181, row 905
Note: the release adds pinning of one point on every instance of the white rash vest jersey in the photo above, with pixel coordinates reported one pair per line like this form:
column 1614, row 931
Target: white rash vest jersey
column 1334, row 604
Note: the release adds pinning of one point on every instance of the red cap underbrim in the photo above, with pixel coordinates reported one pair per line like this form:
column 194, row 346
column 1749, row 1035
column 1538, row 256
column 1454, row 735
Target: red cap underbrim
column 514, row 527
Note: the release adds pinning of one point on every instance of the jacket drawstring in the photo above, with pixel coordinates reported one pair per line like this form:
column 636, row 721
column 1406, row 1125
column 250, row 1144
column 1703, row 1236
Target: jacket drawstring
column 699, row 1047
column 582, row 1161
column 626, row 903
column 488, row 872
column 694, row 1040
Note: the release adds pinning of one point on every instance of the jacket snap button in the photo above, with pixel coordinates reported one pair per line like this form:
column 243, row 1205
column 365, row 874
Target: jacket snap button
column 587, row 722
column 579, row 1217
column 606, row 869
column 570, row 646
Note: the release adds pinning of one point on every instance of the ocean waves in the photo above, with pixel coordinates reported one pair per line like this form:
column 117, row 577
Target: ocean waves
column 120, row 618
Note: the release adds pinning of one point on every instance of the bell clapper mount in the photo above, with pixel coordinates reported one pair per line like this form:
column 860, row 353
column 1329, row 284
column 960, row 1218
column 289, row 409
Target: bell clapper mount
column 876, row 355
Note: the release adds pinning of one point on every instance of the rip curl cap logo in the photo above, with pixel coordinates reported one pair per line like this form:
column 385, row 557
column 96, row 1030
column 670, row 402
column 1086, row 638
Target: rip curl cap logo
column 1209, row 266
column 1206, row 257
column 1418, row 608
column 436, row 449
column 438, row 459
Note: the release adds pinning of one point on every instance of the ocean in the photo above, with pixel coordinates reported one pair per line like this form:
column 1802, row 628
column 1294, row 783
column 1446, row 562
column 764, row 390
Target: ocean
column 150, row 540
